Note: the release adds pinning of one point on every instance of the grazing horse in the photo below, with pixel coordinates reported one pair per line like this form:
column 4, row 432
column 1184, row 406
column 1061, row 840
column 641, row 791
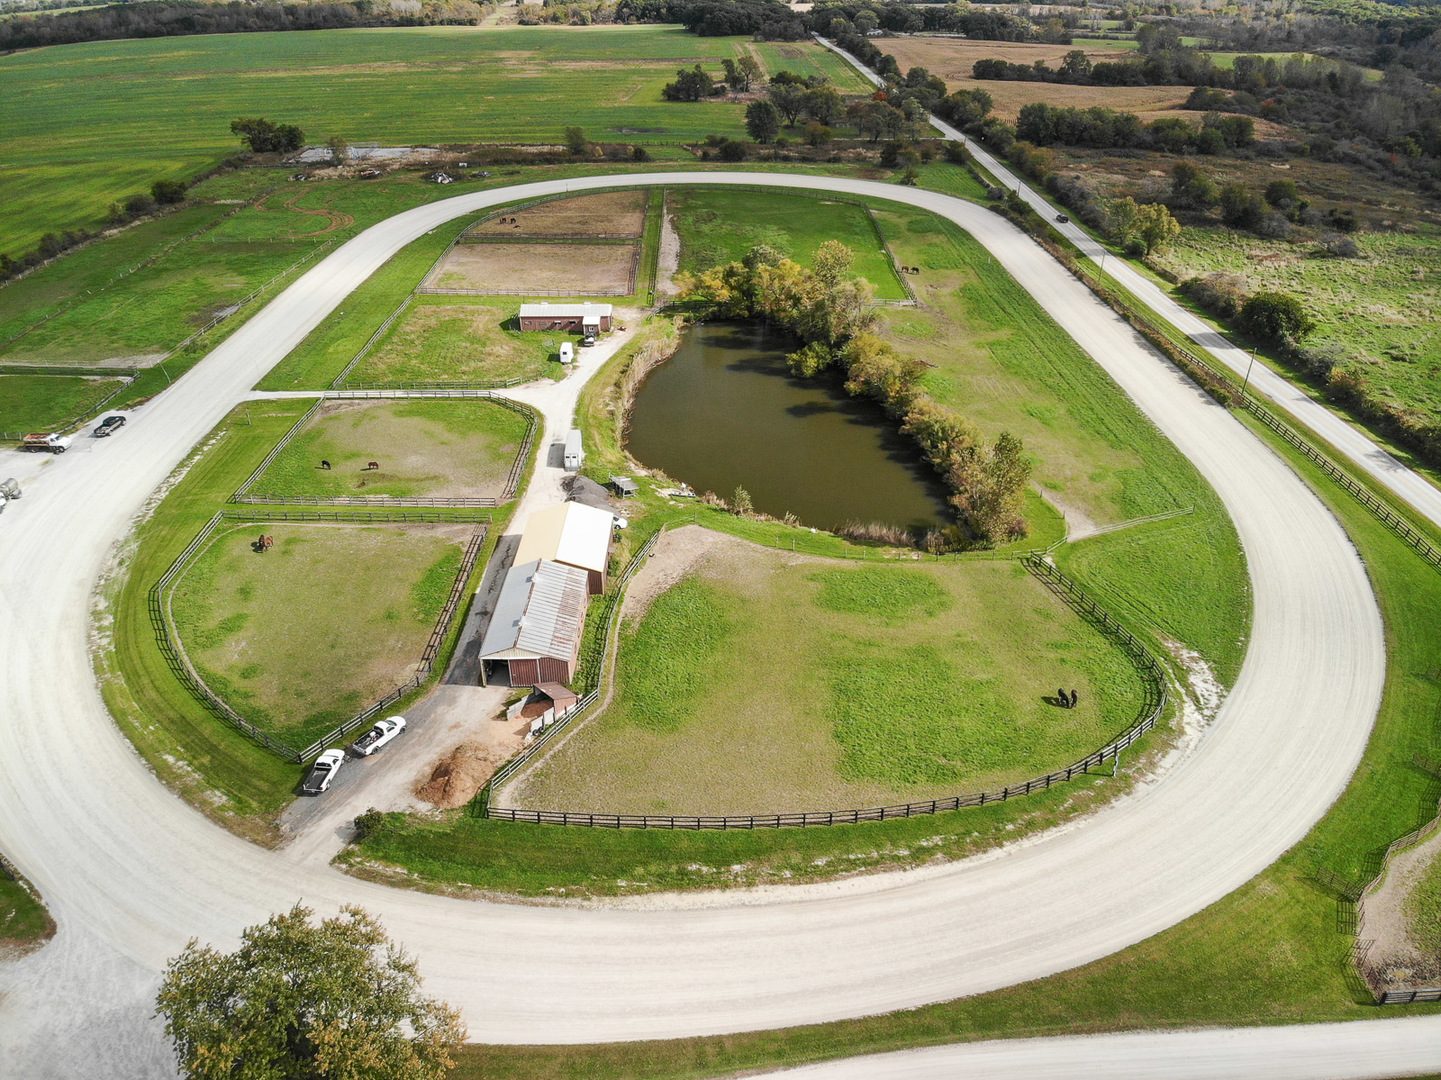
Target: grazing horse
column 324, row 464
column 372, row 465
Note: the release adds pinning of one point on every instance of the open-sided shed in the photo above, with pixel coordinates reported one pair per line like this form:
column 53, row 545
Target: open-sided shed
column 534, row 634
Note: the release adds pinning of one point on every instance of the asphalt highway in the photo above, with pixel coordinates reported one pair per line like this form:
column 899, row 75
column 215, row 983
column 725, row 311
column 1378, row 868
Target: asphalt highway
column 131, row 872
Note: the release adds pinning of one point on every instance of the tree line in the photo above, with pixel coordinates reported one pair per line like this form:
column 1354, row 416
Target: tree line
column 830, row 312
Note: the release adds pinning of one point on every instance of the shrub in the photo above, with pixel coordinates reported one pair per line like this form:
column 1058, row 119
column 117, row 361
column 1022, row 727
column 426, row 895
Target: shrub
column 167, row 191
column 138, row 204
column 1276, row 316
column 1221, row 294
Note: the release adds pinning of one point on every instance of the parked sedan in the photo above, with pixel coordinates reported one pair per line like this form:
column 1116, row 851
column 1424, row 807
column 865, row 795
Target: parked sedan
column 109, row 426
column 379, row 735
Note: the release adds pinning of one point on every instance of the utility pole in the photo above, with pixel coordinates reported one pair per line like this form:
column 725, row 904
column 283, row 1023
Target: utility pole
column 1247, row 379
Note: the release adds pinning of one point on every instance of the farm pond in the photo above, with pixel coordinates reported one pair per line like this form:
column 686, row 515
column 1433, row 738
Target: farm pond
column 725, row 411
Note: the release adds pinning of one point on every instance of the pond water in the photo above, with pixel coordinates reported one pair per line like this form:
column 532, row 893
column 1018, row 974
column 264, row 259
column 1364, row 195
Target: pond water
column 725, row 411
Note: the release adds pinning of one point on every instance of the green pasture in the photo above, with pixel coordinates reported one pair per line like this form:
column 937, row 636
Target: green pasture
column 446, row 449
column 804, row 59
column 86, row 125
column 301, row 637
column 50, row 402
column 762, row 684
column 458, row 339
column 1380, row 312
column 719, row 225
column 1423, row 909
column 999, row 360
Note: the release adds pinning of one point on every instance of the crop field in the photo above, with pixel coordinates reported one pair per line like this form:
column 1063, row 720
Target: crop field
column 763, row 682
column 438, row 448
column 719, row 226
column 86, row 125
column 540, row 269
column 608, row 213
column 1381, row 311
column 1002, row 363
column 803, row 59
column 305, row 635
column 49, row 402
column 456, row 339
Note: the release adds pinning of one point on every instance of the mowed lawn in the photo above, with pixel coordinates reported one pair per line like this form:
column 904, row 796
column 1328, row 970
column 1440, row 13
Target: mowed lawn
column 763, row 682
column 48, row 402
column 447, row 449
column 718, row 225
column 84, row 125
column 1000, row 361
column 457, row 339
column 305, row 635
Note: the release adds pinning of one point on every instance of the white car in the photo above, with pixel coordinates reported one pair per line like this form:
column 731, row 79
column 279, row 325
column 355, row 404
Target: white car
column 323, row 772
column 379, row 735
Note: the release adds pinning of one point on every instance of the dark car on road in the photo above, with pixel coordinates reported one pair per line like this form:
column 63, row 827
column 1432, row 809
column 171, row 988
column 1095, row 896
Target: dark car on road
column 109, row 426
column 1062, row 218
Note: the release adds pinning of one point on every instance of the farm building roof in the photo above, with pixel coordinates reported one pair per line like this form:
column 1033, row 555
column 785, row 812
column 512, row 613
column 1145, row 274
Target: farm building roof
column 563, row 311
column 541, row 611
column 570, row 532
column 583, row 489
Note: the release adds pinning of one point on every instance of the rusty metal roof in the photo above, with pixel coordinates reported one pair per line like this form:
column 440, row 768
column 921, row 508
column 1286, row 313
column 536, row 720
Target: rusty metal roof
column 541, row 612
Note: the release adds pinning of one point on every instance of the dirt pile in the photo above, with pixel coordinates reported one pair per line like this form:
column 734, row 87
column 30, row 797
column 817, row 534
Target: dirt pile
column 457, row 778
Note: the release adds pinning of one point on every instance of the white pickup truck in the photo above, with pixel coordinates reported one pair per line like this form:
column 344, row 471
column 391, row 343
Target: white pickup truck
column 50, row 442
column 323, row 772
column 379, row 735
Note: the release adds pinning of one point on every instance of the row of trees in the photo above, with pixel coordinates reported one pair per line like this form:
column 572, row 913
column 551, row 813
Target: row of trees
column 831, row 312
column 1102, row 128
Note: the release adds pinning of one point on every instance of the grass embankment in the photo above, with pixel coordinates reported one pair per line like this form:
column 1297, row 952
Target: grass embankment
column 50, row 402
column 1001, row 362
column 761, row 682
column 1378, row 311
column 24, row 922
column 86, row 125
column 1271, row 952
column 424, row 448
column 300, row 638
column 719, row 225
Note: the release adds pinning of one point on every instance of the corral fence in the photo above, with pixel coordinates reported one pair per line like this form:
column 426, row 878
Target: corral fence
column 1355, row 894
column 244, row 495
column 1153, row 705
column 911, row 299
column 171, row 646
column 472, row 389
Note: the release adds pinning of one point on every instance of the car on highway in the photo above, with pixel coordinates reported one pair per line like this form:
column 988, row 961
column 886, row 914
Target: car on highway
column 1062, row 218
column 382, row 733
column 322, row 772
column 109, row 426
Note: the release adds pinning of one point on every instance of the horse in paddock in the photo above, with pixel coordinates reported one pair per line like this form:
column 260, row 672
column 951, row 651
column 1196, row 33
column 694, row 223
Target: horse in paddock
column 324, row 464
column 371, row 465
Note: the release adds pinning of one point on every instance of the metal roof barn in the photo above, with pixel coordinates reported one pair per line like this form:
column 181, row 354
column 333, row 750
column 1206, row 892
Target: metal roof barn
column 570, row 533
column 576, row 318
column 534, row 634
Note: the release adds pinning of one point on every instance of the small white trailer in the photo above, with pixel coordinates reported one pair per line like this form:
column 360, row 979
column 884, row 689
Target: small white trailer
column 567, row 353
column 574, row 454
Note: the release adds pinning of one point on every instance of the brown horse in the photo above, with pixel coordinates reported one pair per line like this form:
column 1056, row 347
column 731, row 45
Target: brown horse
column 371, row 465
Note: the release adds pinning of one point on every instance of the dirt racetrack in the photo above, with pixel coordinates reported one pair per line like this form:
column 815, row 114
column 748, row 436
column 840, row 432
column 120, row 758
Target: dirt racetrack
column 538, row 269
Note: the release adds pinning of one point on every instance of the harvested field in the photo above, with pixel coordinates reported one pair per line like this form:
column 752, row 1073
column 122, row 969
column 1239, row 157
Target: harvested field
column 759, row 681
column 445, row 449
column 610, row 213
column 539, row 269
column 302, row 637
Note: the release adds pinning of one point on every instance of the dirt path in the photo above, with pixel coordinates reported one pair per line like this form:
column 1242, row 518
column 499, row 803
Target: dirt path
column 669, row 261
column 1396, row 962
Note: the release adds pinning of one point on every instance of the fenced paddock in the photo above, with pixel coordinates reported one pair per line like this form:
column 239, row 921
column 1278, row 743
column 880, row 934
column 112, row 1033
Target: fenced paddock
column 567, row 269
column 1151, row 709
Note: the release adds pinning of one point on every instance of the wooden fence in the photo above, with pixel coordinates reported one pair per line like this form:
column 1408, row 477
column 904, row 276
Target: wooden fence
column 172, row 648
column 1069, row 591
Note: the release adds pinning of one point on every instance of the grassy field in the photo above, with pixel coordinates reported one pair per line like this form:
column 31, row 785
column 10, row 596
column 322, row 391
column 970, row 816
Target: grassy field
column 49, row 402
column 718, row 226
column 1272, row 952
column 85, row 125
column 300, row 638
column 457, row 339
column 1000, row 361
column 1380, row 311
column 24, row 922
column 437, row 448
column 1423, row 909
column 762, row 682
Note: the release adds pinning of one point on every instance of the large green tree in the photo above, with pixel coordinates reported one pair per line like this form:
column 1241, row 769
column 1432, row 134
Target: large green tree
column 299, row 1001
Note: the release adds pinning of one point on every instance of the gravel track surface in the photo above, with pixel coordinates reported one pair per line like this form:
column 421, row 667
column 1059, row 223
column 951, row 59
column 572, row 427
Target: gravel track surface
column 131, row 872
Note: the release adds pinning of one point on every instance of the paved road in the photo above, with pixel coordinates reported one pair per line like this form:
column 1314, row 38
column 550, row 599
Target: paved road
column 1416, row 490
column 131, row 872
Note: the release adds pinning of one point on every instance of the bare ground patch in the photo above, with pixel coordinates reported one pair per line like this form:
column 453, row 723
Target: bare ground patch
column 539, row 269
column 1396, row 961
column 610, row 213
